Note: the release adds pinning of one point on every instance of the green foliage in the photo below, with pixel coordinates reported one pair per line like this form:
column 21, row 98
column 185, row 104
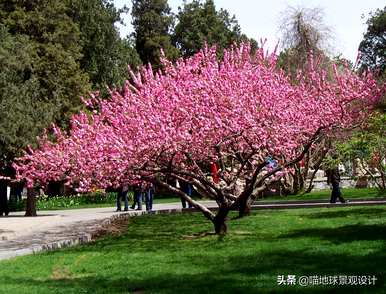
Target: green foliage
column 45, row 202
column 49, row 50
column 200, row 22
column 153, row 21
column 373, row 46
column 74, row 201
column 105, row 56
column 19, row 104
column 368, row 146
column 41, row 80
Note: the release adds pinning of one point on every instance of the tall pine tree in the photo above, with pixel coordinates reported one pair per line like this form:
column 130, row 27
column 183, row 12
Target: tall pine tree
column 153, row 21
column 105, row 55
column 41, row 78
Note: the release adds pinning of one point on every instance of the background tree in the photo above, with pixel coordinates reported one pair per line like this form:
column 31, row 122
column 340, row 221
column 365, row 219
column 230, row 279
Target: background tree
column 368, row 144
column 49, row 52
column 200, row 22
column 105, row 56
column 305, row 38
column 153, row 22
column 373, row 45
column 367, row 148
column 303, row 32
column 41, row 78
column 19, row 106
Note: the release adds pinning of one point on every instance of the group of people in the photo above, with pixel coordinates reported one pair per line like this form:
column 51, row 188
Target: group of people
column 145, row 192
column 141, row 192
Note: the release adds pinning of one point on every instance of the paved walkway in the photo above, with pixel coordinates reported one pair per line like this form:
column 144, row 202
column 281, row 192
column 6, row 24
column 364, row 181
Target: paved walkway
column 53, row 229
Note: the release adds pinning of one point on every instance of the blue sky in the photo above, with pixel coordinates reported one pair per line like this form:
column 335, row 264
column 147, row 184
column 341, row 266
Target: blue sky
column 261, row 18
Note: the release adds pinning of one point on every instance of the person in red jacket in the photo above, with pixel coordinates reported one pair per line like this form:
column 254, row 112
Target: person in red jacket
column 214, row 172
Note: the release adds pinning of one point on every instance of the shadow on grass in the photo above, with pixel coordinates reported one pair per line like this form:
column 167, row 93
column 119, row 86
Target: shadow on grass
column 370, row 211
column 245, row 273
column 349, row 233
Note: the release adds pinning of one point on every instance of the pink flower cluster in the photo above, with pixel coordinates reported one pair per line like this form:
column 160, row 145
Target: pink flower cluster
column 242, row 103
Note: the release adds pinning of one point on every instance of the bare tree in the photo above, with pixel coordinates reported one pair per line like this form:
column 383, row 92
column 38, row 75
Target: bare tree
column 305, row 37
column 303, row 33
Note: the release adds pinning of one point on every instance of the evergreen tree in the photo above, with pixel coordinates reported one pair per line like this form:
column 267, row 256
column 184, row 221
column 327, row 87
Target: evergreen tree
column 200, row 22
column 41, row 79
column 373, row 46
column 105, row 56
column 153, row 21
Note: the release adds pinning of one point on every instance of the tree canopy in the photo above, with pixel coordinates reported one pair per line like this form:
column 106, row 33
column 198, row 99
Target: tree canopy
column 41, row 77
column 153, row 22
column 199, row 23
column 105, row 56
column 373, row 45
column 51, row 53
column 303, row 33
column 236, row 111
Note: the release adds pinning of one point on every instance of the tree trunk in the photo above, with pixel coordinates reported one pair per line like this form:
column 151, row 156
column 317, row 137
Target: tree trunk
column 31, row 202
column 311, row 186
column 245, row 207
column 220, row 226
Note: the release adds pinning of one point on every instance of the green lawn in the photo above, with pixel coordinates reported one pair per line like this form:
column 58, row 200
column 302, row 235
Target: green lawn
column 110, row 204
column 348, row 193
column 172, row 254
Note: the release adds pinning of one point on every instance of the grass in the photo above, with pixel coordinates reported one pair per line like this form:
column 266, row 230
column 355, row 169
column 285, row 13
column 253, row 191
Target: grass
column 173, row 254
column 110, row 204
column 166, row 200
column 349, row 193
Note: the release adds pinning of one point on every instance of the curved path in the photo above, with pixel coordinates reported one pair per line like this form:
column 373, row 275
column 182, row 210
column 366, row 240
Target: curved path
column 54, row 229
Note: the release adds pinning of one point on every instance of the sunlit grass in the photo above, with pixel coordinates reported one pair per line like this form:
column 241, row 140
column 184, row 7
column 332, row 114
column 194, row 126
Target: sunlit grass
column 174, row 254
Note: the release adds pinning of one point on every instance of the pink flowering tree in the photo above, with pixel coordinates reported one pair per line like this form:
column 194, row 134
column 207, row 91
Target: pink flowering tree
column 169, row 125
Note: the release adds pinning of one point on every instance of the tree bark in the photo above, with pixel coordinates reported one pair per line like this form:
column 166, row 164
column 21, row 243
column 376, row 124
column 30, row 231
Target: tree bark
column 245, row 207
column 311, row 186
column 31, row 202
column 219, row 221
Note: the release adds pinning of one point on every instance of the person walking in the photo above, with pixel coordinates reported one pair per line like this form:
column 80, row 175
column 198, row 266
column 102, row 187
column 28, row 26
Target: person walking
column 149, row 196
column 4, row 209
column 187, row 189
column 138, row 191
column 122, row 195
column 333, row 179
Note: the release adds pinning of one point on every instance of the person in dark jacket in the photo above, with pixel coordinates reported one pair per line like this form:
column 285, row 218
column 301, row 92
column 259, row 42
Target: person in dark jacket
column 138, row 192
column 187, row 189
column 149, row 196
column 3, row 197
column 122, row 195
column 333, row 179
